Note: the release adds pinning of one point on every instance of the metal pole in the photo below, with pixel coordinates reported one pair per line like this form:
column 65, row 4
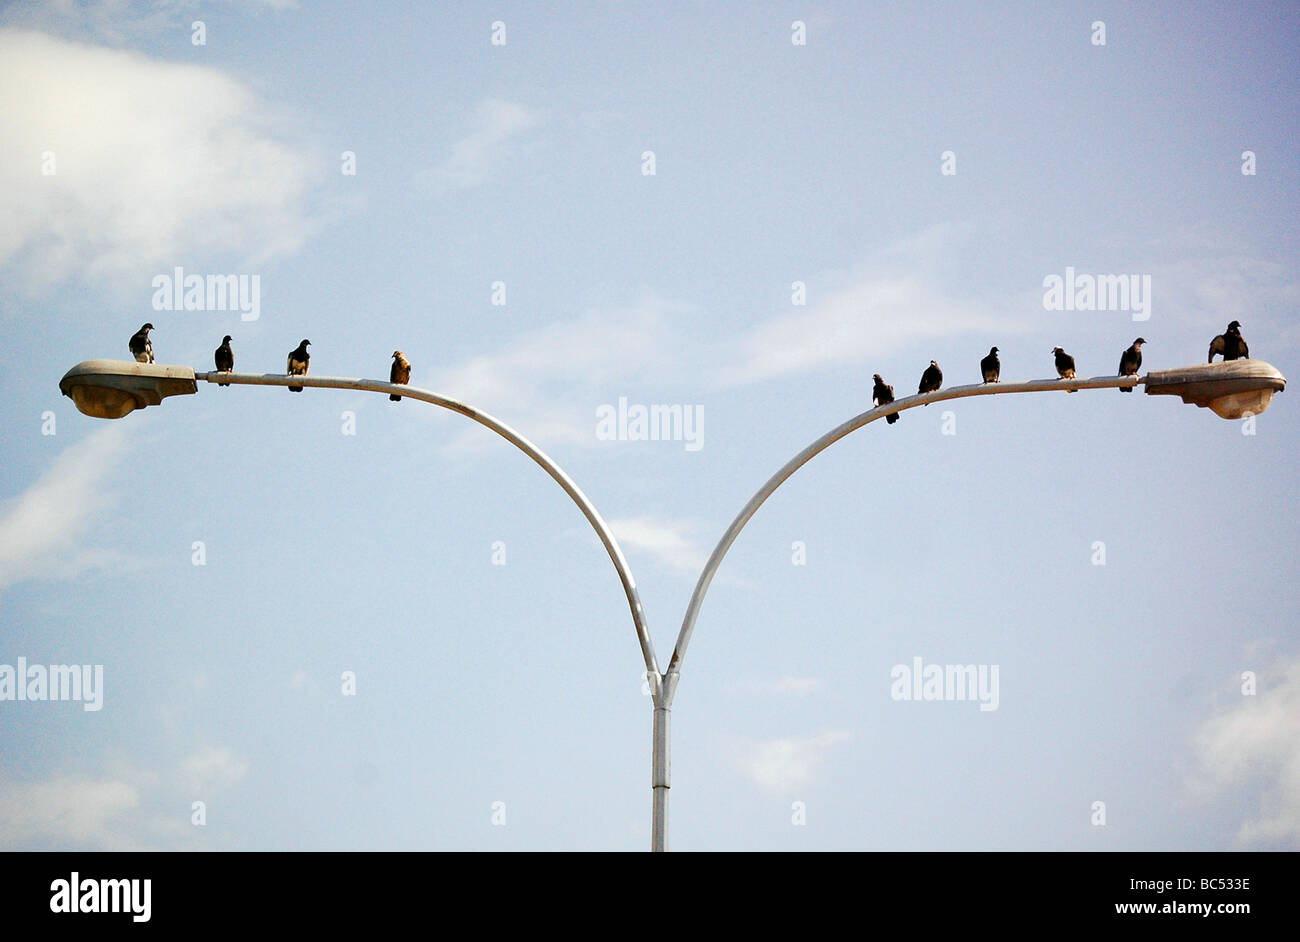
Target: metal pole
column 661, row 762
column 660, row 772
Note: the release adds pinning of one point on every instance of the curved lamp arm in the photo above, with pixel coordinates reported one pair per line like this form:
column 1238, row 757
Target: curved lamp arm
column 482, row 418
column 830, row 438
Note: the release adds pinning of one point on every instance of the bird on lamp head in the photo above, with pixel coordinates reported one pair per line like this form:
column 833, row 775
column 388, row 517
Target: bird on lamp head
column 140, row 345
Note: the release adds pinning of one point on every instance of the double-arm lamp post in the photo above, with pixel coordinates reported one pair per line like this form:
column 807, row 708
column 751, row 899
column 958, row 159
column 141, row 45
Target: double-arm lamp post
column 111, row 389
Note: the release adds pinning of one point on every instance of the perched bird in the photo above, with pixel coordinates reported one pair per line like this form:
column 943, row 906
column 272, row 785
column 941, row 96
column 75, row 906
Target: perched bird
column 1130, row 362
column 990, row 367
column 1229, row 344
column 141, row 346
column 931, row 379
column 298, row 360
column 224, row 357
column 882, row 395
column 400, row 373
column 1064, row 365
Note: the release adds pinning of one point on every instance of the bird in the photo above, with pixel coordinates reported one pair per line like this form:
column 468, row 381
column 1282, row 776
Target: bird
column 1064, row 365
column 141, row 346
column 1130, row 362
column 990, row 367
column 1229, row 344
column 931, row 379
column 224, row 357
column 298, row 360
column 400, row 373
column 882, row 395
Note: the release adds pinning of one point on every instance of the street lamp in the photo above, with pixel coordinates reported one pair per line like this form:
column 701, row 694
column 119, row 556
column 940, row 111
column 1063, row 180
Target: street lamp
column 1231, row 389
column 111, row 389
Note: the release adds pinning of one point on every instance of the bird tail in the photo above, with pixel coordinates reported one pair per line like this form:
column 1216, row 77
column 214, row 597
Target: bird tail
column 1126, row 389
column 395, row 398
column 295, row 389
column 892, row 418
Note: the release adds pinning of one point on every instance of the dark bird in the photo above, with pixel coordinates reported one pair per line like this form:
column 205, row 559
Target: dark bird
column 400, row 373
column 990, row 367
column 1131, row 362
column 1064, row 365
column 224, row 357
column 882, row 395
column 141, row 346
column 931, row 379
column 1229, row 344
column 298, row 360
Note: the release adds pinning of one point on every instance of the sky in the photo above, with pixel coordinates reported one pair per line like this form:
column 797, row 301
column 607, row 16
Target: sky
column 332, row 622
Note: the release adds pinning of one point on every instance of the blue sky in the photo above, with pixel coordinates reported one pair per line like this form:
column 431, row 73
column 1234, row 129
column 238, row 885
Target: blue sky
column 341, row 532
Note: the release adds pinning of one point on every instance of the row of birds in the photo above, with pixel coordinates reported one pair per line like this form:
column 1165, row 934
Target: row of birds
column 141, row 348
column 1229, row 344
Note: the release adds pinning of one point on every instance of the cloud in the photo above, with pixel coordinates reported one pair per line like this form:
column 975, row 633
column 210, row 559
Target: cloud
column 1257, row 743
column 892, row 299
column 121, row 21
column 213, row 769
column 1205, row 289
column 42, row 528
column 798, row 686
column 667, row 541
column 153, row 161
column 112, row 813
column 85, row 813
column 782, row 765
column 477, row 156
column 548, row 381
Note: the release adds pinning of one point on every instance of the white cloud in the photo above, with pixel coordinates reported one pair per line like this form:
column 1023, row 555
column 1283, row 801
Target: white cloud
column 891, row 300
column 798, row 686
column 547, row 382
column 130, row 809
column 475, row 157
column 213, row 769
column 785, row 764
column 86, row 813
column 668, row 541
column 154, row 161
column 121, row 21
column 1257, row 743
column 1204, row 292
column 41, row 529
